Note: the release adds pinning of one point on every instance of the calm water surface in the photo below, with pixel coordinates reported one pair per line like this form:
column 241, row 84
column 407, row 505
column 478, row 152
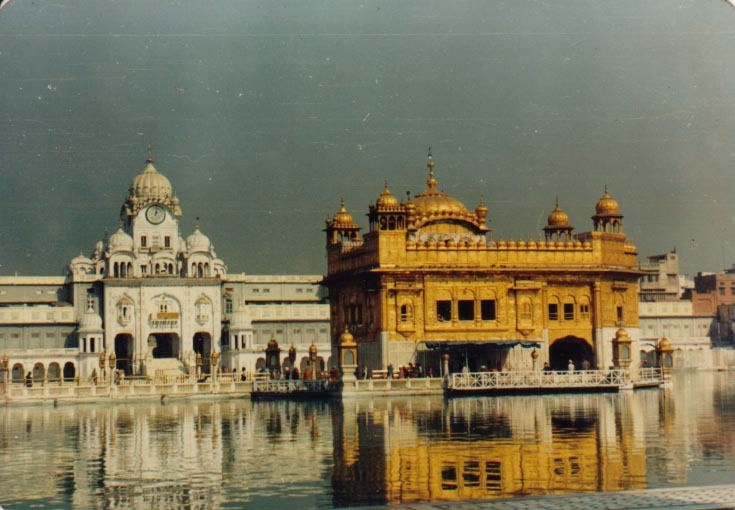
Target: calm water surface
column 234, row 453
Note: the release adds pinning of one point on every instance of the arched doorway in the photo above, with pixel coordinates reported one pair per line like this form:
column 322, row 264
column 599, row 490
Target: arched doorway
column 18, row 373
column 165, row 345
column 203, row 346
column 124, row 353
column 39, row 372
column 54, row 372
column 70, row 372
column 570, row 348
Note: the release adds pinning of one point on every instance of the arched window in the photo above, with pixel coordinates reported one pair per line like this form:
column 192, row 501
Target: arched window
column 401, row 223
column 392, row 223
column 116, row 270
column 406, row 313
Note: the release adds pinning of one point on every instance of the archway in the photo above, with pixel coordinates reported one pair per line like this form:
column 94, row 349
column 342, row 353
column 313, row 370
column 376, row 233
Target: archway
column 18, row 373
column 570, row 348
column 70, row 372
column 54, row 372
column 124, row 353
column 203, row 345
column 39, row 372
column 166, row 345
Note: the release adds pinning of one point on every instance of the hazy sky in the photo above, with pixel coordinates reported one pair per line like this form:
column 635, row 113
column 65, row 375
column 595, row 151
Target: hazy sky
column 264, row 113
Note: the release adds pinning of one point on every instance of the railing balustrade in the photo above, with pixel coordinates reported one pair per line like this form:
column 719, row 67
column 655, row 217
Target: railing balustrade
column 286, row 386
column 536, row 379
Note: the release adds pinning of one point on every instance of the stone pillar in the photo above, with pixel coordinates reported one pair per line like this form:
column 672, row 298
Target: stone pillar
column 445, row 365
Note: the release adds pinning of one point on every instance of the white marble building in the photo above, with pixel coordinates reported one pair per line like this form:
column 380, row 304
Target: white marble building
column 156, row 302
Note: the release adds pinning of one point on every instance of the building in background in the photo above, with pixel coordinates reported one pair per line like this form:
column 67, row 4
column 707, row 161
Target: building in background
column 429, row 279
column 160, row 303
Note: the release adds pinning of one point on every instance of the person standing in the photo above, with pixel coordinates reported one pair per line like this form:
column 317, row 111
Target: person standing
column 570, row 366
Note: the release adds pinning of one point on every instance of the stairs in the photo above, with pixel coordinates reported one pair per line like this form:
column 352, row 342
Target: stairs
column 163, row 367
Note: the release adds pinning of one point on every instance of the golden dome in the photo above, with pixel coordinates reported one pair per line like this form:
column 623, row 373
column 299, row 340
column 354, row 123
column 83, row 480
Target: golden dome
column 607, row 204
column 342, row 217
column 664, row 344
column 346, row 339
column 312, row 349
column 557, row 217
column 151, row 186
column 622, row 336
column 481, row 210
column 433, row 201
column 386, row 198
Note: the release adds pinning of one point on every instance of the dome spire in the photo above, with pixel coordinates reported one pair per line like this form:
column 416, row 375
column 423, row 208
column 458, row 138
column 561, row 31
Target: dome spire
column 431, row 181
column 149, row 159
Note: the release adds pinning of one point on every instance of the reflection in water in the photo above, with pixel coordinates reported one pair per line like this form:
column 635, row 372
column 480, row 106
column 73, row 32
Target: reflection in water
column 390, row 450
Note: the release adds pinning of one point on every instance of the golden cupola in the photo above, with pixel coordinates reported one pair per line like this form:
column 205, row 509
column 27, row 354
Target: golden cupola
column 342, row 217
column 558, row 227
column 607, row 205
column 607, row 216
column 387, row 200
column 434, row 202
column 435, row 206
column 341, row 227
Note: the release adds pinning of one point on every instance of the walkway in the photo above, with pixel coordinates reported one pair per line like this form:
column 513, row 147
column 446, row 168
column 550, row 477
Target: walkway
column 681, row 498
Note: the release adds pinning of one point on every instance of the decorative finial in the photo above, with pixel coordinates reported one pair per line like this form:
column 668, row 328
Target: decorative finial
column 386, row 184
column 431, row 182
column 605, row 188
column 342, row 203
column 119, row 225
column 557, row 201
column 150, row 154
column 196, row 225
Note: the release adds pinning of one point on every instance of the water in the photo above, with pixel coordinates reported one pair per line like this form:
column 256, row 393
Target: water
column 236, row 453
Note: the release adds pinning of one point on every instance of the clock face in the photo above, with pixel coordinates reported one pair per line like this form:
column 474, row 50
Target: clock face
column 155, row 214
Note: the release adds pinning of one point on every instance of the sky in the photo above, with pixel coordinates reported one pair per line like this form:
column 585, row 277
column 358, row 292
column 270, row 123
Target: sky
column 263, row 114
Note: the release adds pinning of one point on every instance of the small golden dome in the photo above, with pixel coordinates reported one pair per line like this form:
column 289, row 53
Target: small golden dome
column 386, row 198
column 312, row 349
column 342, row 217
column 481, row 210
column 557, row 217
column 346, row 339
column 272, row 344
column 622, row 336
column 664, row 344
column 292, row 350
column 607, row 204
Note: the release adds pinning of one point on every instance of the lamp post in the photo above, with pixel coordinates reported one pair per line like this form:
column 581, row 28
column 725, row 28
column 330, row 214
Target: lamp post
column 214, row 360
column 199, row 363
column 111, row 361
column 313, row 361
column 5, row 367
column 534, row 357
column 102, row 366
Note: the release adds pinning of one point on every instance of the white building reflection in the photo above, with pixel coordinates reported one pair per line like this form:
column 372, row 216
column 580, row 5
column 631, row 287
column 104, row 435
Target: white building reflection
column 202, row 454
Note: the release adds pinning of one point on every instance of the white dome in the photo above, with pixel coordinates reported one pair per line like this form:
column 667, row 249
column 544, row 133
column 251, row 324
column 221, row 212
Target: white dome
column 198, row 242
column 90, row 322
column 121, row 241
column 80, row 259
column 150, row 186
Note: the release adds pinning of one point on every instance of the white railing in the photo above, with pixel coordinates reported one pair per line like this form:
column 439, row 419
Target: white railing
column 287, row 386
column 537, row 380
column 650, row 374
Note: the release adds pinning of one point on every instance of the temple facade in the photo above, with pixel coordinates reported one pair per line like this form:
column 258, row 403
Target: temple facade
column 430, row 279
